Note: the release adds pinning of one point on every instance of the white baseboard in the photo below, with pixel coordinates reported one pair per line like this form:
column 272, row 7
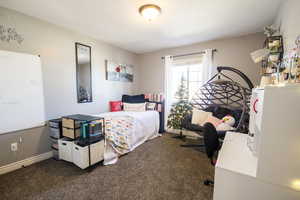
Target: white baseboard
column 26, row 162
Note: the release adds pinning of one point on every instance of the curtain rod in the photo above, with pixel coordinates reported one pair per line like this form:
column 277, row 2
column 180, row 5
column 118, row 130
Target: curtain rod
column 190, row 54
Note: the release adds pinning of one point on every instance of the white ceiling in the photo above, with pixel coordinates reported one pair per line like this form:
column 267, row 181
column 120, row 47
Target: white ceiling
column 182, row 21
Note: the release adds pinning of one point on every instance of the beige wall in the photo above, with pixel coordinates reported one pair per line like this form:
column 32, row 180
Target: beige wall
column 56, row 46
column 288, row 20
column 234, row 52
column 34, row 142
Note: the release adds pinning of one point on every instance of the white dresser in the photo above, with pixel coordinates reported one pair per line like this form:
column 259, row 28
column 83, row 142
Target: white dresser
column 273, row 170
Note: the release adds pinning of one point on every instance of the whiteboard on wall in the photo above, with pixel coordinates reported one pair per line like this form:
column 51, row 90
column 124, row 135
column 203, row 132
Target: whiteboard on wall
column 21, row 92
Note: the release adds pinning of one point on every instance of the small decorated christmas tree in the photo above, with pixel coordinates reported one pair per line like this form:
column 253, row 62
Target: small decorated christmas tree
column 179, row 109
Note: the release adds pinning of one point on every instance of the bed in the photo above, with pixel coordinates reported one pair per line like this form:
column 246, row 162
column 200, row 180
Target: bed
column 125, row 131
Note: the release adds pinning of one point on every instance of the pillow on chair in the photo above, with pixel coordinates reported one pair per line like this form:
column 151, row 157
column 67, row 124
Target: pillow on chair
column 199, row 116
column 224, row 127
column 213, row 120
column 227, row 123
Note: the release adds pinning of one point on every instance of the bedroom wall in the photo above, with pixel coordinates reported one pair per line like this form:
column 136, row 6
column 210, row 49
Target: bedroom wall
column 233, row 52
column 288, row 21
column 56, row 45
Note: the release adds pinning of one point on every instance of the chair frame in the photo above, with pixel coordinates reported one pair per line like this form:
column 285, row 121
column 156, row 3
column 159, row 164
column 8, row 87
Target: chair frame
column 236, row 97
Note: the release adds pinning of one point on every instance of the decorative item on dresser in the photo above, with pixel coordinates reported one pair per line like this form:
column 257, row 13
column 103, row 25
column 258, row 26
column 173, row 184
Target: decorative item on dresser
column 292, row 62
column 275, row 46
column 278, row 66
column 271, row 57
column 297, row 59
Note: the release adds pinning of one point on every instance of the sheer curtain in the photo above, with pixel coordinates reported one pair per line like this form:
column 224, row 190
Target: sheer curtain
column 199, row 70
column 167, row 88
column 208, row 68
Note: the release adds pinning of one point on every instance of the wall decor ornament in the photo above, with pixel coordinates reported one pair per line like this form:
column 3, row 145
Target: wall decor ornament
column 8, row 34
column 297, row 42
column 291, row 62
column 270, row 31
column 118, row 72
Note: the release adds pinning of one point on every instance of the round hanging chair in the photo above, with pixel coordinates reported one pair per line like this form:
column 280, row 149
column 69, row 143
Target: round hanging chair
column 223, row 91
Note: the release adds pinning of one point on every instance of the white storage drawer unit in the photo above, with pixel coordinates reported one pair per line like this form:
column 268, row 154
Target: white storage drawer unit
column 55, row 128
column 88, row 155
column 54, row 132
column 65, row 147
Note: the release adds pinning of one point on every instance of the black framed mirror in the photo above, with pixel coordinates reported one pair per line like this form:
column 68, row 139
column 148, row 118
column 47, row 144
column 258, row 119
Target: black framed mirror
column 83, row 73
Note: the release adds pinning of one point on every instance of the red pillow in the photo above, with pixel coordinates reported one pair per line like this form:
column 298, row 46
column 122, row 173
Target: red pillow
column 115, row 106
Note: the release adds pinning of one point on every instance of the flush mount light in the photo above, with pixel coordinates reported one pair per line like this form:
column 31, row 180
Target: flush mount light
column 150, row 11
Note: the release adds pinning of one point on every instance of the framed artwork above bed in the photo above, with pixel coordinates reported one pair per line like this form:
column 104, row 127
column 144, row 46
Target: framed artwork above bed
column 118, row 72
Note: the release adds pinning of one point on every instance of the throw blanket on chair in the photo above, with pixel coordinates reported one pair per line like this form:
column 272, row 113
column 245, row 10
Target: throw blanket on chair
column 118, row 132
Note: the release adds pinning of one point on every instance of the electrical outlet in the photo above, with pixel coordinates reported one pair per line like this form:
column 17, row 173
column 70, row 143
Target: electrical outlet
column 14, row 146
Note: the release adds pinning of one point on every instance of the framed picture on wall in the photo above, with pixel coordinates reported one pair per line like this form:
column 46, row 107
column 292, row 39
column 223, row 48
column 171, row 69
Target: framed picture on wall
column 118, row 72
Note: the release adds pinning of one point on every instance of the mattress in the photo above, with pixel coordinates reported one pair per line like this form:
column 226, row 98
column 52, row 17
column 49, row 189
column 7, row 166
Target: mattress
column 145, row 126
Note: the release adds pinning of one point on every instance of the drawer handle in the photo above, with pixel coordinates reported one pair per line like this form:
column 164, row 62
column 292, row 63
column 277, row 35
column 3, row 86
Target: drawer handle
column 64, row 143
column 76, row 148
column 67, row 128
column 254, row 105
column 71, row 128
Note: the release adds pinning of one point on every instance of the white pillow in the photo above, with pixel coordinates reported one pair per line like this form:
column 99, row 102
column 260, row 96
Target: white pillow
column 224, row 127
column 150, row 106
column 199, row 116
column 228, row 120
column 134, row 107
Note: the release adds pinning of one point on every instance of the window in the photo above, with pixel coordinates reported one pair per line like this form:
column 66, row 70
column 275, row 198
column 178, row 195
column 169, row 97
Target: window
column 188, row 76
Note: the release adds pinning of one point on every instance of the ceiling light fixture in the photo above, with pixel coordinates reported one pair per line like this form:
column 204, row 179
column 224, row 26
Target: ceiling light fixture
column 150, row 11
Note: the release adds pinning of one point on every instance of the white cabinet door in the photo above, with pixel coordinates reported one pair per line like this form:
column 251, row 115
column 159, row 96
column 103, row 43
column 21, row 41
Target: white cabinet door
column 81, row 156
column 97, row 152
column 65, row 150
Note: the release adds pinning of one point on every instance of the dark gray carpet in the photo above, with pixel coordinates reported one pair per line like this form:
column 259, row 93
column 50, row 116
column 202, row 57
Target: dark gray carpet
column 159, row 169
